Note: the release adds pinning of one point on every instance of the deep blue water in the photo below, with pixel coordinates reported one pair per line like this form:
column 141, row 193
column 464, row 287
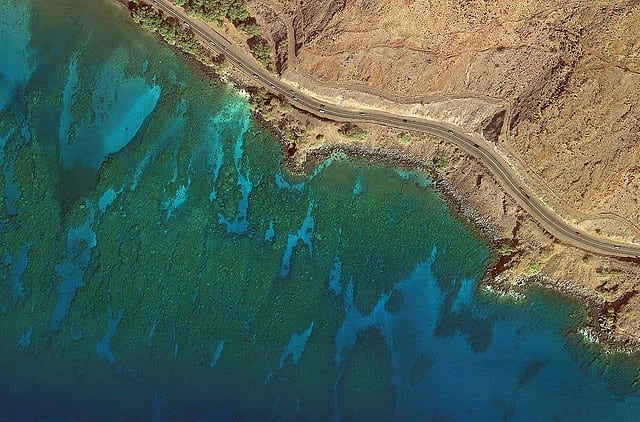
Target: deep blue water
column 157, row 262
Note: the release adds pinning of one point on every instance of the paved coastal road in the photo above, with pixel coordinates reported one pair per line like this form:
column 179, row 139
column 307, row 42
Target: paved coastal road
column 480, row 149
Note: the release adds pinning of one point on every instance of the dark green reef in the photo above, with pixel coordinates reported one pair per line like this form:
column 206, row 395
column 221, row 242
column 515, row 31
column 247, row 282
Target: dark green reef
column 157, row 261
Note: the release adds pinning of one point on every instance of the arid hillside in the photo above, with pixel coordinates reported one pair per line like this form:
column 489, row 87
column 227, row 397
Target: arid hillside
column 556, row 84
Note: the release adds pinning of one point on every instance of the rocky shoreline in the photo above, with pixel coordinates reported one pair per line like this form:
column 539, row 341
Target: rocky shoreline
column 599, row 329
column 398, row 158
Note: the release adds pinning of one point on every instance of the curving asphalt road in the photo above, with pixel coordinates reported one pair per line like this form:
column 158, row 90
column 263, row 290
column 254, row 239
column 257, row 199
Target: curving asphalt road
column 478, row 148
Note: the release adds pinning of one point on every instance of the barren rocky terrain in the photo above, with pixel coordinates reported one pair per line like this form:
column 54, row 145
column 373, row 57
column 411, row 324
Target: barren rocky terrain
column 554, row 84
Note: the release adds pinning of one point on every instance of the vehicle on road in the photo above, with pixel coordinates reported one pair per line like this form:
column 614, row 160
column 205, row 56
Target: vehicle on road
column 361, row 113
column 617, row 247
column 295, row 98
column 272, row 86
column 578, row 234
column 524, row 192
column 255, row 75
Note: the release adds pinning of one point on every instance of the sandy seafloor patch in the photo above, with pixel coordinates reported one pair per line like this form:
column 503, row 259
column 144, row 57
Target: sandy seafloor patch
column 158, row 263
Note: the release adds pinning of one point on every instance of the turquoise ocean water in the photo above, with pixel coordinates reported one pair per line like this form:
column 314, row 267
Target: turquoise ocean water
column 157, row 263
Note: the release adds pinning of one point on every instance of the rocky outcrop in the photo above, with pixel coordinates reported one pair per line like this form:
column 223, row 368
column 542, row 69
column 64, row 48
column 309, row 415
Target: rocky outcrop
column 311, row 18
column 492, row 127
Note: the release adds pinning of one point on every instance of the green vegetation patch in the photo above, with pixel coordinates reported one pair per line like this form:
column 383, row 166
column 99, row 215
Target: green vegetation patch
column 405, row 138
column 353, row 132
column 236, row 12
column 249, row 27
column 441, row 161
column 174, row 33
column 532, row 268
column 269, row 106
column 215, row 10
column 506, row 250
column 262, row 51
